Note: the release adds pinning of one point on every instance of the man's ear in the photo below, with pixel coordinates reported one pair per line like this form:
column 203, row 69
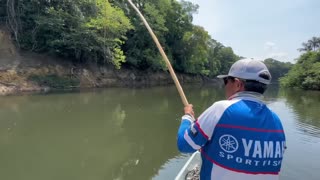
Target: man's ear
column 239, row 84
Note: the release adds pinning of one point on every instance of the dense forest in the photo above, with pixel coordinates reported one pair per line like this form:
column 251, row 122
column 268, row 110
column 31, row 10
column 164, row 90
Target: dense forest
column 305, row 74
column 109, row 33
column 277, row 69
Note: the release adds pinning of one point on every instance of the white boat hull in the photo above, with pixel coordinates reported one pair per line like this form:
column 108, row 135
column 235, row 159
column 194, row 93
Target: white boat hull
column 194, row 160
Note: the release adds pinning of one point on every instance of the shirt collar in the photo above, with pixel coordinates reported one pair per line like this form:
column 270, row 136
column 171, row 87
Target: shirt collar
column 248, row 95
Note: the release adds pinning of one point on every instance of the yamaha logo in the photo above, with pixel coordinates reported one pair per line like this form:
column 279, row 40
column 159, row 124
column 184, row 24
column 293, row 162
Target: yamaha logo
column 228, row 143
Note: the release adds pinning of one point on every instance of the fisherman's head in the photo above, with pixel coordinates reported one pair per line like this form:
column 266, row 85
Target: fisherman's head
column 246, row 75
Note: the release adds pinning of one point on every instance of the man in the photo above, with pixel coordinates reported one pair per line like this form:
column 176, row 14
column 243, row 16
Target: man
column 239, row 138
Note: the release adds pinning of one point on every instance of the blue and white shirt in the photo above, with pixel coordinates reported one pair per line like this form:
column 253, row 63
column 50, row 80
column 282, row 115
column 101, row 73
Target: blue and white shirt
column 239, row 138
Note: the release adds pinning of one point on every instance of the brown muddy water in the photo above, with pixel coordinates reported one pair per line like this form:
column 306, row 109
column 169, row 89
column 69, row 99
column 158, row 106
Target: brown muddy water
column 121, row 134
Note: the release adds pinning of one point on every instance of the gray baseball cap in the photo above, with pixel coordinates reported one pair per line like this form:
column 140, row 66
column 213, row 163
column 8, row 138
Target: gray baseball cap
column 249, row 69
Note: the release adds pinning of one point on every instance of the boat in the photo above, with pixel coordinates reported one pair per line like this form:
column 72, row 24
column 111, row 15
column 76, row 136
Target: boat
column 194, row 162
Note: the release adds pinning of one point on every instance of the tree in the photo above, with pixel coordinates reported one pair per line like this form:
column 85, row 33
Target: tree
column 80, row 30
column 314, row 43
column 277, row 69
column 305, row 74
column 196, row 50
column 214, row 64
column 226, row 57
column 111, row 24
column 140, row 49
column 110, row 32
column 179, row 22
column 305, row 47
column 311, row 45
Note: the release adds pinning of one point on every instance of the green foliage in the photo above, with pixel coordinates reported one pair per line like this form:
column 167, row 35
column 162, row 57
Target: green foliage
column 118, row 57
column 277, row 69
column 226, row 57
column 178, row 21
column 196, row 50
column 190, row 48
column 214, row 63
column 305, row 73
column 55, row 81
column 312, row 44
column 140, row 49
column 81, row 30
column 110, row 32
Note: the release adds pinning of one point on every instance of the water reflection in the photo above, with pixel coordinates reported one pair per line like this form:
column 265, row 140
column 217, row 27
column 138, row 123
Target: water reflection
column 128, row 133
column 113, row 134
column 302, row 134
column 305, row 105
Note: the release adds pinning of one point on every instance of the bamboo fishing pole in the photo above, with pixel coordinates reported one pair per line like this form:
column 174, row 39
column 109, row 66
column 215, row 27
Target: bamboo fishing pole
column 163, row 54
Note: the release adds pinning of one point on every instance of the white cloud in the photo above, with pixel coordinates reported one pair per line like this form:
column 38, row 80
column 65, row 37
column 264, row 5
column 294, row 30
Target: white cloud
column 269, row 45
column 272, row 51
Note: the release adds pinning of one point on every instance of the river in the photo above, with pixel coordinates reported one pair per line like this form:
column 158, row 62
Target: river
column 130, row 134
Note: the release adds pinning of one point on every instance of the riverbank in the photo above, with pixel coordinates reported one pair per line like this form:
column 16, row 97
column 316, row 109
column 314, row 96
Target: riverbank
column 29, row 72
column 42, row 74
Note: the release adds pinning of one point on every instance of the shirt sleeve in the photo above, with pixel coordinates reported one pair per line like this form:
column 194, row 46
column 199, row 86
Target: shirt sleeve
column 193, row 135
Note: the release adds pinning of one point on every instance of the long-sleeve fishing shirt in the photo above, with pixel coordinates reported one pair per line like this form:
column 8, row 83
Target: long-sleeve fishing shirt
column 239, row 139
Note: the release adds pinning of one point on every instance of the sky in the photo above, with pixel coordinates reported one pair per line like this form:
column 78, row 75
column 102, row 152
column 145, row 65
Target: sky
column 260, row 28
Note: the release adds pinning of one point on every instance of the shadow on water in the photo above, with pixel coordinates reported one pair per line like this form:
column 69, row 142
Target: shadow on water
column 305, row 105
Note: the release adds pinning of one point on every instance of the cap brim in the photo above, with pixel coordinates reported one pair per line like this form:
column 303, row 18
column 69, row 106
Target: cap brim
column 222, row 76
